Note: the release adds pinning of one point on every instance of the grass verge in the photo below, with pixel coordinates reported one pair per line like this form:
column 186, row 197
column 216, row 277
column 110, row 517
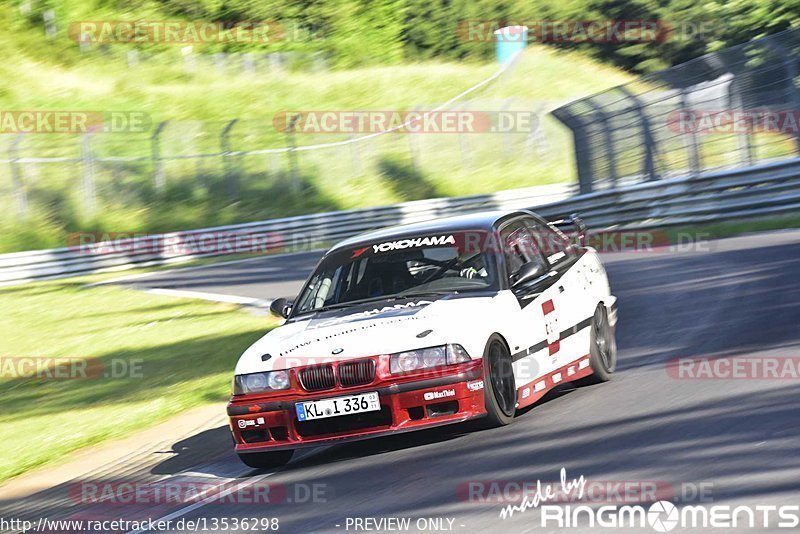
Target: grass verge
column 198, row 105
column 172, row 354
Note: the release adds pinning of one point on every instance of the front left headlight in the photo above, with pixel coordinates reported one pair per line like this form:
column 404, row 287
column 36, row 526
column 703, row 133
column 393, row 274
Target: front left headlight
column 432, row 357
column 260, row 382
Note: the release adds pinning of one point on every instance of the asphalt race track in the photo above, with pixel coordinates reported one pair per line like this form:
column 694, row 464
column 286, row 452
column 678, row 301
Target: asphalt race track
column 739, row 439
column 261, row 278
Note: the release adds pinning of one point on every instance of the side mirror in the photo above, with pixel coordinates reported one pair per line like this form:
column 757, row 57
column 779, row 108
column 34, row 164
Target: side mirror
column 281, row 307
column 580, row 227
column 527, row 273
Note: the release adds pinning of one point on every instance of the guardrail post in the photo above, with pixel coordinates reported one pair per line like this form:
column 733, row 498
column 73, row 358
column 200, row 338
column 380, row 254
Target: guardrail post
column 17, row 181
column 87, row 169
column 228, row 171
column 155, row 156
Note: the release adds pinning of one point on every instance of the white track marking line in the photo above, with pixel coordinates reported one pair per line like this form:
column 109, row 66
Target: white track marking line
column 207, row 500
column 215, row 297
column 196, row 267
column 234, row 487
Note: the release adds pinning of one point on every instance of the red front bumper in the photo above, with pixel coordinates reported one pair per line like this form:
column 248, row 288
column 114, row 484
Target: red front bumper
column 269, row 422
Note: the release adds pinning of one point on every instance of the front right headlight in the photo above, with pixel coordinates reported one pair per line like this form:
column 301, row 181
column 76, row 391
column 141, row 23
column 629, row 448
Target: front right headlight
column 260, row 382
column 432, row 357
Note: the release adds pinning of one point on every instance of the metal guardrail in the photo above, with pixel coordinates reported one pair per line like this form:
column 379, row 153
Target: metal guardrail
column 278, row 235
column 763, row 190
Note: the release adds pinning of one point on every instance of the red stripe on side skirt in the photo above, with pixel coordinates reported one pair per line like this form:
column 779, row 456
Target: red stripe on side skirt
column 548, row 306
column 554, row 347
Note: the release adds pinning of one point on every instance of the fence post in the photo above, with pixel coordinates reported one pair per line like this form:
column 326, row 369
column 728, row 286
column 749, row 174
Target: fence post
column 647, row 134
column 508, row 148
column 413, row 146
column 611, row 154
column 17, row 181
column 790, row 66
column 227, row 171
column 463, row 142
column 536, row 140
column 744, row 141
column 291, row 154
column 155, row 154
column 355, row 156
column 87, row 169
column 583, row 147
column 734, row 103
column 50, row 28
column 691, row 147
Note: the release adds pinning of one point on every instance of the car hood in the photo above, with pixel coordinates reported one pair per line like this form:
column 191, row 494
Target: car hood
column 378, row 327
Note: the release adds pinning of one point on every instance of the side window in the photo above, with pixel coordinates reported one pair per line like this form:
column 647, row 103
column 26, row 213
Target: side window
column 554, row 245
column 519, row 247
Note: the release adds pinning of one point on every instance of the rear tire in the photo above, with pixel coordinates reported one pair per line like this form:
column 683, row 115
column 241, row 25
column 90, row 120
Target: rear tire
column 602, row 347
column 266, row 460
column 500, row 393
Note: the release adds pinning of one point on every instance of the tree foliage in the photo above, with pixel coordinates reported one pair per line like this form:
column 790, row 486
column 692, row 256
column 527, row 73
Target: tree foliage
column 354, row 32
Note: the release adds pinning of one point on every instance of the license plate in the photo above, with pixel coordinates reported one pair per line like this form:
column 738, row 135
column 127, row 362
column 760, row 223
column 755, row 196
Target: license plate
column 351, row 404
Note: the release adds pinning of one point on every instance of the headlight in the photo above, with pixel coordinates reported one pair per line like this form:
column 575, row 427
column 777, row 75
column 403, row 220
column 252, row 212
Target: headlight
column 414, row 360
column 260, row 382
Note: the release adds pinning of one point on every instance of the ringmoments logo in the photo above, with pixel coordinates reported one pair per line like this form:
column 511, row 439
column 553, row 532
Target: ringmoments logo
column 664, row 516
column 660, row 516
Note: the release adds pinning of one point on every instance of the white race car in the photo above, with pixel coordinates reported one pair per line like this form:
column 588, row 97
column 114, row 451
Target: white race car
column 423, row 325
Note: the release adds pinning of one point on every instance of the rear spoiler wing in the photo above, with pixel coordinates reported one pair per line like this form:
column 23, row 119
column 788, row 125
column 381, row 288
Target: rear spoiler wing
column 578, row 227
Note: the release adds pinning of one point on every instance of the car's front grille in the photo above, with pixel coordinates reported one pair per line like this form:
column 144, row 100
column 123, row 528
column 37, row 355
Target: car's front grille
column 321, row 377
column 356, row 373
column 318, row 377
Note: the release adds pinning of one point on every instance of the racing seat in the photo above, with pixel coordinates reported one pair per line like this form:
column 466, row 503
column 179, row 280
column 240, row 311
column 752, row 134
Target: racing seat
column 387, row 278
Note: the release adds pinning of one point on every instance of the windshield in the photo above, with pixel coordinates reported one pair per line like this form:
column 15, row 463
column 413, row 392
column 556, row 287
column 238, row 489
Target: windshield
column 406, row 267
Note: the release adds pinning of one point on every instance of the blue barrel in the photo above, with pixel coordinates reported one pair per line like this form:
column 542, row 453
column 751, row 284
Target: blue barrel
column 510, row 40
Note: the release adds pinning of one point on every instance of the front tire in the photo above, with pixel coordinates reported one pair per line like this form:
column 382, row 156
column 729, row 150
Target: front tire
column 500, row 393
column 266, row 460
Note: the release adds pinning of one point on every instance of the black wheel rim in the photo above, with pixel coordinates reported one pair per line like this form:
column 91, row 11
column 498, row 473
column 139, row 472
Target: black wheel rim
column 604, row 341
column 502, row 379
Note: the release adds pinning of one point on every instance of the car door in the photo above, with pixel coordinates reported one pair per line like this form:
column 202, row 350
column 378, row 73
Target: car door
column 569, row 295
column 535, row 325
